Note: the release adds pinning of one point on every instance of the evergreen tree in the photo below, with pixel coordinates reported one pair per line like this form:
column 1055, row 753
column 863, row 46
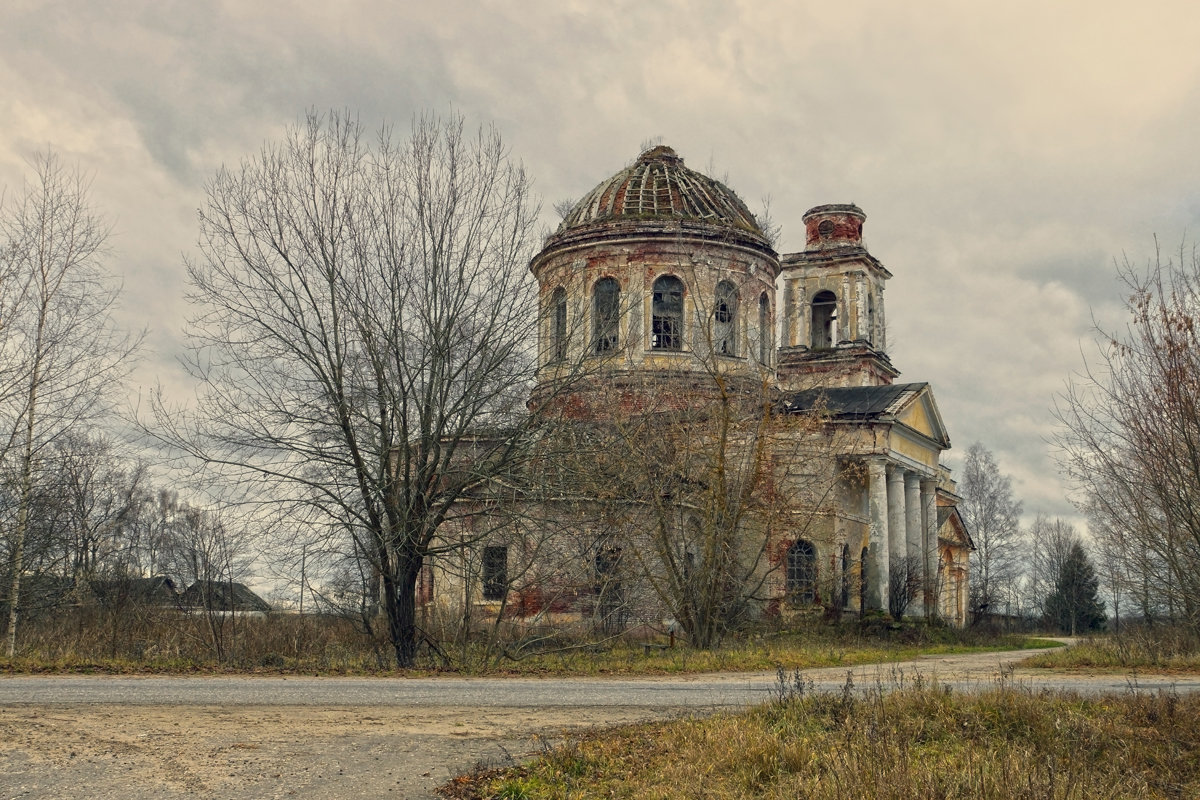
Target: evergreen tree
column 1075, row 606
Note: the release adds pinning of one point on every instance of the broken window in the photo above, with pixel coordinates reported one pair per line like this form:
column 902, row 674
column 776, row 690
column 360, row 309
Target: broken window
column 764, row 329
column 667, row 314
column 825, row 228
column 558, row 325
column 824, row 319
column 495, row 572
column 725, row 319
column 802, row 572
column 606, row 297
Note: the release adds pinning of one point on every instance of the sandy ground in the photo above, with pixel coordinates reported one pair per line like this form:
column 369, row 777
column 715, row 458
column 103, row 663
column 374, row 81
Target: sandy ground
column 104, row 752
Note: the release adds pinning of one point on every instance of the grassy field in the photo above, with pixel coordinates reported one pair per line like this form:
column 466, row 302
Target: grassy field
column 911, row 744
column 1159, row 650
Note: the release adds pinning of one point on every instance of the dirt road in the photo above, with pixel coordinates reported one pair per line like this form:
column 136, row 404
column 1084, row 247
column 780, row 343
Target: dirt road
column 105, row 738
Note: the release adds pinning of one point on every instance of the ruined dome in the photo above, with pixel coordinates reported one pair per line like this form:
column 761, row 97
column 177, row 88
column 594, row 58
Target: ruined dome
column 657, row 192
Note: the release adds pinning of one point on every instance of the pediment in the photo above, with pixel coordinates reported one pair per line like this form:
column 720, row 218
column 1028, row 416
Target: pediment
column 951, row 528
column 919, row 413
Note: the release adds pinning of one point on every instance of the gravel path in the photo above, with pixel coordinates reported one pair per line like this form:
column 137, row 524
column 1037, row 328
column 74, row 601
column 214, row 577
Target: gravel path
column 104, row 738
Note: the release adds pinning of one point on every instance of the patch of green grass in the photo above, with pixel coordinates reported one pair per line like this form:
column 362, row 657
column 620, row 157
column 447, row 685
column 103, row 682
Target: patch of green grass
column 923, row 742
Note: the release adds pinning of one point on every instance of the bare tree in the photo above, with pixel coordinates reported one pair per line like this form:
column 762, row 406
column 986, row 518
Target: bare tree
column 62, row 354
column 1130, row 438
column 1050, row 543
column 992, row 516
column 364, row 336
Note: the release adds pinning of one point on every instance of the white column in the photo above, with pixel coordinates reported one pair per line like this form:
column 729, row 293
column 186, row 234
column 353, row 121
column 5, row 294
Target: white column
column 843, row 322
column 913, row 533
column 896, row 516
column 804, row 314
column 877, row 552
column 930, row 543
column 860, row 309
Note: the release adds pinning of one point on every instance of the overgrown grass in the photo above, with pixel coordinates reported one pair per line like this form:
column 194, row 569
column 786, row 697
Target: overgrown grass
column 910, row 744
column 161, row 640
column 1161, row 649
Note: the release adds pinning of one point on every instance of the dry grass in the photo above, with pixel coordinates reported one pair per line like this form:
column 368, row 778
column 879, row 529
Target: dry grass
column 910, row 744
column 1162, row 650
column 164, row 640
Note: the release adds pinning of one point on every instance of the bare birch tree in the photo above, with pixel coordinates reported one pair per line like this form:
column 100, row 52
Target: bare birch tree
column 62, row 354
column 364, row 335
column 992, row 516
column 1130, row 438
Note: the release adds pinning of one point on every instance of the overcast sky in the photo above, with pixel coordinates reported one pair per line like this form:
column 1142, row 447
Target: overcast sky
column 1006, row 154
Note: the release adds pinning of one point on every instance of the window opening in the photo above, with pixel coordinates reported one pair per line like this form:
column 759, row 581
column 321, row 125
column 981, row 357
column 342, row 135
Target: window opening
column 725, row 319
column 845, row 575
column 870, row 337
column 607, row 308
column 667, row 314
column 558, row 322
column 824, row 315
column 825, row 228
column 495, row 572
column 802, row 572
column 764, row 328
column 863, row 579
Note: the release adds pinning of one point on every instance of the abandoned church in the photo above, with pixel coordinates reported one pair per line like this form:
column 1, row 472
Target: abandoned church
column 721, row 433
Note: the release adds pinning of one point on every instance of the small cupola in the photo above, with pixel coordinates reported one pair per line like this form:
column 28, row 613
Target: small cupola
column 833, row 225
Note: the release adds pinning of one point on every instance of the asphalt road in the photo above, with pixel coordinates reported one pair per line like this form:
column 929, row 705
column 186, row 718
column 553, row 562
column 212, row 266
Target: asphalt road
column 103, row 738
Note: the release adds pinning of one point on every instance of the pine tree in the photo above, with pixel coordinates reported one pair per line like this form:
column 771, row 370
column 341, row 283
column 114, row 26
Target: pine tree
column 1075, row 606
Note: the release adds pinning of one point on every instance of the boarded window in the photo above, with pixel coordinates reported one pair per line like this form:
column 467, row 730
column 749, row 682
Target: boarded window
column 725, row 319
column 558, row 325
column 667, row 314
column 824, row 318
column 606, row 308
column 802, row 572
column 495, row 572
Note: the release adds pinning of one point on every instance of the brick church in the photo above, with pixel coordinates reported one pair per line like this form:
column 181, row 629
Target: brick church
column 725, row 405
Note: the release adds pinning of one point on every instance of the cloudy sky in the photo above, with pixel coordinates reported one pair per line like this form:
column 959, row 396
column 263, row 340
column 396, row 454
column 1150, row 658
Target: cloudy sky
column 1006, row 154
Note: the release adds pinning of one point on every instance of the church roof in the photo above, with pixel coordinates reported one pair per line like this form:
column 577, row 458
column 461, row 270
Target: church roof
column 909, row 406
column 857, row 402
column 658, row 188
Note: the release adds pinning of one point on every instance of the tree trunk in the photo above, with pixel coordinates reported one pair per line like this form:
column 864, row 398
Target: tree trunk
column 401, row 590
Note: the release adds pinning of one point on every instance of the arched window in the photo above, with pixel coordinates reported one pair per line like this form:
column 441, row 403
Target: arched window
column 558, row 325
column 869, row 333
column 725, row 319
column 606, row 312
column 802, row 572
column 666, row 331
column 824, row 318
column 863, row 578
column 764, row 329
column 845, row 575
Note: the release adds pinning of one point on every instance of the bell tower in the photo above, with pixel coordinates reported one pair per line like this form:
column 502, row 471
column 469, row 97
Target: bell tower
column 834, row 329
